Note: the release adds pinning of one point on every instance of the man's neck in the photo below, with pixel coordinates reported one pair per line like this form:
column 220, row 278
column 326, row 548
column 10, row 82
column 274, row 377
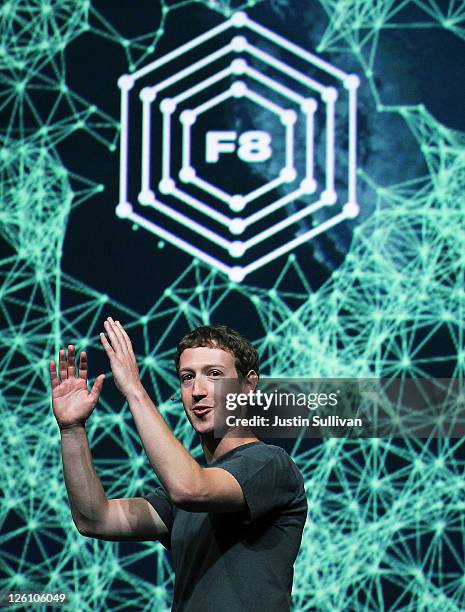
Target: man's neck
column 214, row 448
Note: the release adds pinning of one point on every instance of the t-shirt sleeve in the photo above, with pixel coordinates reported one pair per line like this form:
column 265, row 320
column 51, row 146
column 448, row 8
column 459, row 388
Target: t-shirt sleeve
column 268, row 477
column 163, row 505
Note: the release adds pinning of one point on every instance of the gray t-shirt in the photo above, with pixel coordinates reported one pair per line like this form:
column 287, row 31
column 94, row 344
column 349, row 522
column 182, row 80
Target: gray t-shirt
column 239, row 561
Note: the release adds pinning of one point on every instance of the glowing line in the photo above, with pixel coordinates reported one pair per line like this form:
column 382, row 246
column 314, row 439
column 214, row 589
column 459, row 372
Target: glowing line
column 301, row 53
column 261, row 101
column 263, row 189
column 178, row 242
column 263, row 212
column 352, row 178
column 330, row 138
column 274, row 229
column 212, row 189
column 183, row 49
column 259, row 263
column 272, row 84
column 203, row 85
column 290, row 146
column 123, row 160
column 191, row 224
column 208, row 59
column 309, row 152
column 146, row 142
column 212, row 102
column 212, row 213
column 276, row 63
column 186, row 145
column 166, row 144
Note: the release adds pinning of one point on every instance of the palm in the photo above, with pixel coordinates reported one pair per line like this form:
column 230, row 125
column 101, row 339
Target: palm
column 71, row 401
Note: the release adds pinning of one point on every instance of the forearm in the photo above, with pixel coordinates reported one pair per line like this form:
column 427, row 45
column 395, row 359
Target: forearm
column 86, row 495
column 178, row 472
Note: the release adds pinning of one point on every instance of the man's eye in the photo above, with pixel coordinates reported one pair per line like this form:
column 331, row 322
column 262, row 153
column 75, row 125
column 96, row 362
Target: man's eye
column 215, row 373
column 186, row 377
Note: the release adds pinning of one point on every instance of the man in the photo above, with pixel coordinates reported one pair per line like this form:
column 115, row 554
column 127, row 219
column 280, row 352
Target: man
column 234, row 527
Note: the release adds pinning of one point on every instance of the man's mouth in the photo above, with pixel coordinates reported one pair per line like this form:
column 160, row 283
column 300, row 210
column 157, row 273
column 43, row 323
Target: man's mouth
column 201, row 410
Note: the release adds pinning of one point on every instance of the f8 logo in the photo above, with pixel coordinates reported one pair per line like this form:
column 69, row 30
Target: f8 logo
column 183, row 200
column 254, row 145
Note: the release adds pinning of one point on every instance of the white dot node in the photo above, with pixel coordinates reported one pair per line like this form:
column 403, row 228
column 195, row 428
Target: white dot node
column 239, row 19
column 329, row 197
column 126, row 82
column 147, row 94
column 288, row 174
column 308, row 185
column 237, row 226
column 352, row 82
column 309, row 106
column 187, row 174
column 146, row 196
column 187, row 117
column 123, row 210
column 238, row 89
column 167, row 106
column 237, row 249
column 237, row 274
column 239, row 43
column 288, row 117
column 351, row 209
column 166, row 185
column 236, row 203
column 330, row 94
column 239, row 66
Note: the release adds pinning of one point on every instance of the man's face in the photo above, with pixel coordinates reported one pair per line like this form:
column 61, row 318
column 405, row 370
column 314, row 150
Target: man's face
column 199, row 368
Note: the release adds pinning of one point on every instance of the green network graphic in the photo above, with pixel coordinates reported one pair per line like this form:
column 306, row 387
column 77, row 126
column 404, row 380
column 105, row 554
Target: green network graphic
column 385, row 529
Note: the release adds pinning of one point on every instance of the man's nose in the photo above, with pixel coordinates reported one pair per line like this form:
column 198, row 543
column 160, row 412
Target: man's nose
column 199, row 389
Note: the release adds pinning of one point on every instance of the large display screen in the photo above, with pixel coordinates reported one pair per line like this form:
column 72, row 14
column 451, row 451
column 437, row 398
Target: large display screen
column 294, row 169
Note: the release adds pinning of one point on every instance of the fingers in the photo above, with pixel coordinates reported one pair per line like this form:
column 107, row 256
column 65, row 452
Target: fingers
column 63, row 365
column 115, row 335
column 106, row 345
column 119, row 338
column 67, row 366
column 125, row 337
column 97, row 388
column 71, row 361
column 54, row 380
column 82, row 368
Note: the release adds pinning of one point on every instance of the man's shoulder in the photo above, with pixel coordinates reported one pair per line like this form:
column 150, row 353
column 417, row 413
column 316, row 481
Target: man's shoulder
column 280, row 454
column 264, row 454
column 268, row 451
column 270, row 480
column 262, row 448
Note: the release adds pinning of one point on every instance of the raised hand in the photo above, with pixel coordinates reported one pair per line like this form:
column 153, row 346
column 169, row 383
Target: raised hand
column 71, row 401
column 122, row 359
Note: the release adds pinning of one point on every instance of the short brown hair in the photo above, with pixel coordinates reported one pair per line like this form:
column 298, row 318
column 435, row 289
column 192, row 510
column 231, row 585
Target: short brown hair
column 226, row 338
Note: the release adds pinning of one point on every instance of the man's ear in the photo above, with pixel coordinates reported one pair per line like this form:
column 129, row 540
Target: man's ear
column 252, row 379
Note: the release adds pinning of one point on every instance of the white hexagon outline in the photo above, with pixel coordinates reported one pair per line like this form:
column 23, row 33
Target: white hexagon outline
column 240, row 44
column 187, row 118
column 239, row 66
column 168, row 186
column 258, row 191
column 237, row 273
